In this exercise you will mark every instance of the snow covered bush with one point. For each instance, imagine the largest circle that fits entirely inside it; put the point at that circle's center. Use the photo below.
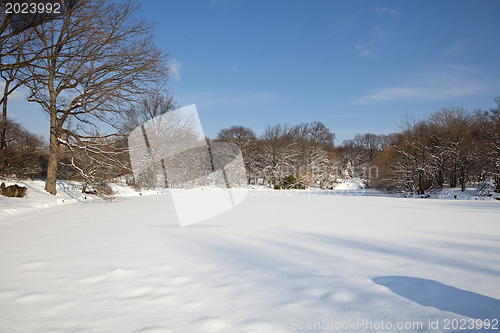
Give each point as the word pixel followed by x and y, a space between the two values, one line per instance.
pixel 487 187
pixel 290 183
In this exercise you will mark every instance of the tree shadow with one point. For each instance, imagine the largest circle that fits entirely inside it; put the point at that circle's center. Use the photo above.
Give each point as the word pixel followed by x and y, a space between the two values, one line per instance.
pixel 443 297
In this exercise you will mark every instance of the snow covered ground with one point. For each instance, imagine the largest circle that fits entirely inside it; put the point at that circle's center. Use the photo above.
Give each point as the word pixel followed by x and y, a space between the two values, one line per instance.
pixel 36 198
pixel 281 261
pixel 68 192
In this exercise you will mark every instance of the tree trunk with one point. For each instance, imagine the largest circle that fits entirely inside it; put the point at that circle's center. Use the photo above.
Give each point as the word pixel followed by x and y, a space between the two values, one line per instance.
pixel 453 179
pixel 440 177
pixel 420 190
pixel 164 172
pixel 463 180
pixel 3 131
pixel 50 182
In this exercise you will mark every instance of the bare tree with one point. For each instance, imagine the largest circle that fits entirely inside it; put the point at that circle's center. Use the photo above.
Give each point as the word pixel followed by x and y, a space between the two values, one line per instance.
pixel 246 140
pixel 151 105
pixel 97 57
pixel 280 152
pixel 295 156
pixel 489 124
pixel 239 135
pixel 314 141
pixel 149 109
pixel 452 147
pixel 452 144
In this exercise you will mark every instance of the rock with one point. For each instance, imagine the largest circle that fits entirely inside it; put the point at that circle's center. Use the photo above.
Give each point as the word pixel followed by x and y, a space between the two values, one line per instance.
pixel 13 190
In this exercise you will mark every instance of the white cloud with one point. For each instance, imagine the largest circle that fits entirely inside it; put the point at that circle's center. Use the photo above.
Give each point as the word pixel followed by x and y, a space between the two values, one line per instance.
pixel 365 49
pixel 387 19
pixel 386 10
pixel 434 84
pixel 457 47
pixel 175 67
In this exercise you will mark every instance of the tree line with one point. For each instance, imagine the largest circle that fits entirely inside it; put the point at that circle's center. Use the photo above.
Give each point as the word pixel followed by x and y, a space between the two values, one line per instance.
pixel 86 66
pixel 451 148
pixel 286 156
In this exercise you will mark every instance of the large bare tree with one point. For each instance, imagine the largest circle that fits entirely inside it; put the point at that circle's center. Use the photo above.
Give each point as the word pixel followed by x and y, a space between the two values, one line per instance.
pixel 97 59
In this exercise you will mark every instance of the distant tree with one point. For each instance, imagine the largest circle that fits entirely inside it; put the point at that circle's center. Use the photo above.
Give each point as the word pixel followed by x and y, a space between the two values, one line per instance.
pixel 314 141
pixel 415 163
pixel 328 177
pixel 279 153
pixel 490 133
pixel 452 147
pixel 371 144
pixel 455 144
pixel 390 175
pixel 236 134
pixel 246 140
pixel 302 152
pixel 359 154
pixel 151 105
pixel 26 152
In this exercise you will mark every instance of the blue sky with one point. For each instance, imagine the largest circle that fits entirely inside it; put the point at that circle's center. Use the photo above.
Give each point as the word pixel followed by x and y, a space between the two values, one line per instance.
pixel 356 66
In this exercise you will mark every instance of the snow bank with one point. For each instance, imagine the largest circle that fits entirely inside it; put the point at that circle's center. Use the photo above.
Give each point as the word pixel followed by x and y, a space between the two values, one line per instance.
pixel 456 194
pixel 68 192
pixel 351 184
pixel 468 194
pixel 37 198
pixel 123 191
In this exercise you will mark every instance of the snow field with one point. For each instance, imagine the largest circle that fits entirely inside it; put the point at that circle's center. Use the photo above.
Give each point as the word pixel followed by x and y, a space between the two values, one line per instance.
pixel 277 261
